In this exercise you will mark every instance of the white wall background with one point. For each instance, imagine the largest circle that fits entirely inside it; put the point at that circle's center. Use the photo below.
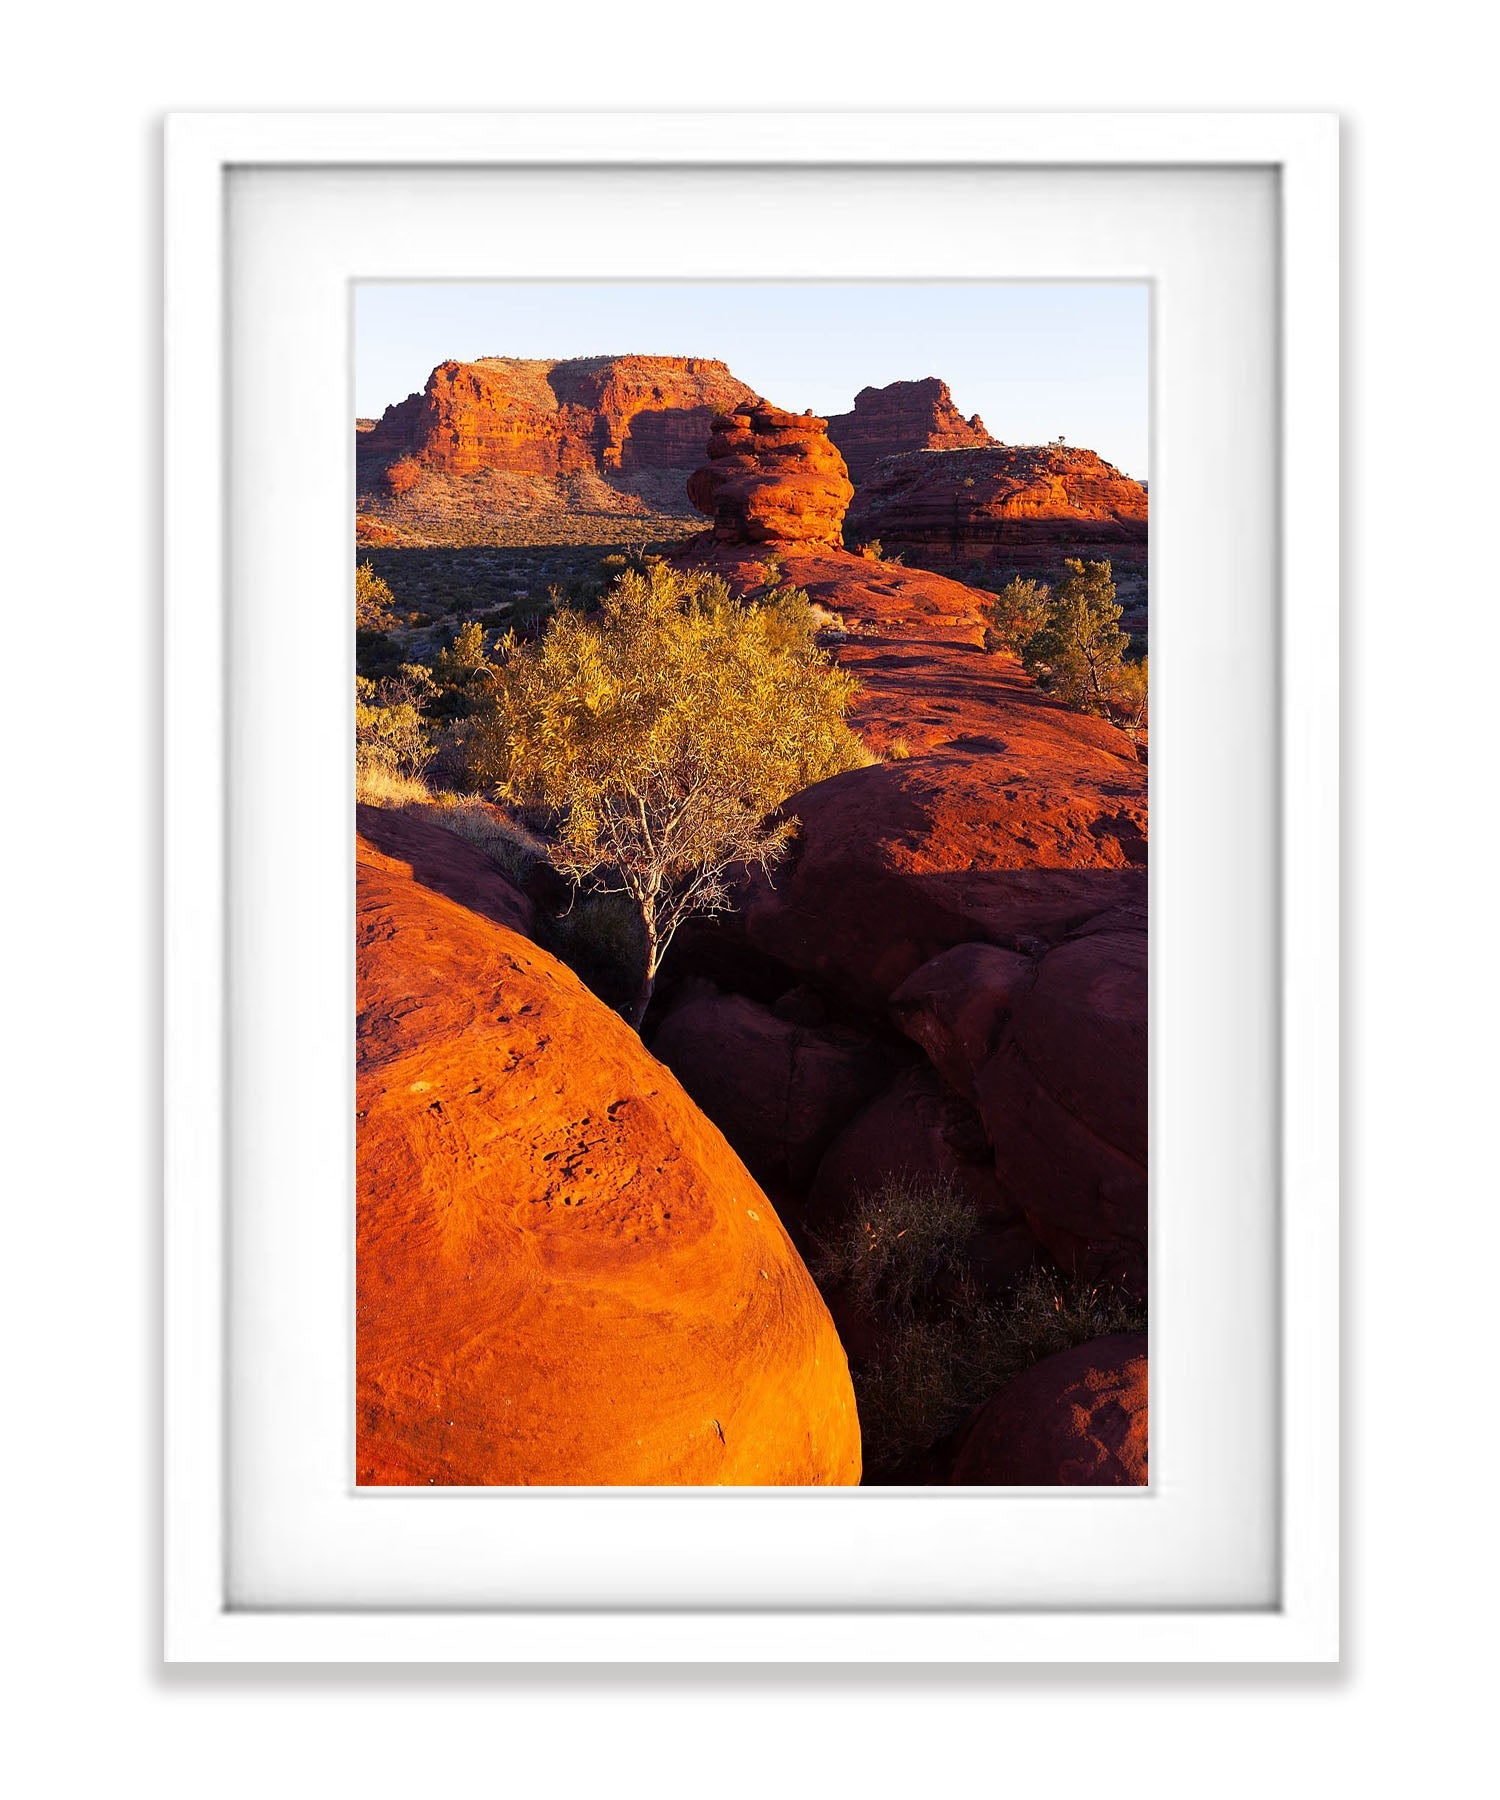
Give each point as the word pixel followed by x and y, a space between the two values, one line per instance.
pixel 90 1708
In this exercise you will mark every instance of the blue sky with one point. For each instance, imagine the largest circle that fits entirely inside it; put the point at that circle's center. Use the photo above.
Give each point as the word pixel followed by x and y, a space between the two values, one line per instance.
pixel 1033 359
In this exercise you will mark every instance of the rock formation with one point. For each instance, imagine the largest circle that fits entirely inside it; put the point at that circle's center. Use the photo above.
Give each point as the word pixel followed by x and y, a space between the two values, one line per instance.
pixel 1078 1419
pixel 1013 509
pixel 565 1276
pixel 780 1091
pixel 772 477
pixel 598 413
pixel 976 901
pixel 905 415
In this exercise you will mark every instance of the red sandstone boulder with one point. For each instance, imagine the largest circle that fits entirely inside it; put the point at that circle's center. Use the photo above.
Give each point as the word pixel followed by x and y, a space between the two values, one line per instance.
pixel 565 1276
pixel 956 1006
pixel 780 1091
pixel 772 476
pixel 1063 1102
pixel 447 864
pixel 896 863
pixel 1077 1419
pixel 902 416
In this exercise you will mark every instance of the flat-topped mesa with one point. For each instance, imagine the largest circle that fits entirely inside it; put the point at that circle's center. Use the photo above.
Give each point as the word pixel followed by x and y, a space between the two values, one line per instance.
pixel 772 477
pixel 535 417
pixel 902 416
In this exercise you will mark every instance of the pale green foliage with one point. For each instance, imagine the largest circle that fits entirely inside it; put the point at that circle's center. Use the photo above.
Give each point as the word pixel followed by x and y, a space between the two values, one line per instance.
pixel 1130 695
pixel 463 657
pixel 661 733
pixel 374 603
pixel 1071 640
pixel 390 734
pixel 1018 612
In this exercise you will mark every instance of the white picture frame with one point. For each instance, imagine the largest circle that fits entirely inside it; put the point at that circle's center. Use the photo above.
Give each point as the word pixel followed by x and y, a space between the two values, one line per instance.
pixel 203 1620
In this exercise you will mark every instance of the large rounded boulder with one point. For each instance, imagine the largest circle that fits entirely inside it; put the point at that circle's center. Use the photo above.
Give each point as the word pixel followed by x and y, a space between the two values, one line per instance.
pixel 565 1274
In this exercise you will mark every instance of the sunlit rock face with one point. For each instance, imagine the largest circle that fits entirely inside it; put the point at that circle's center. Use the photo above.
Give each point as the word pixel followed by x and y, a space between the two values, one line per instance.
pixel 772 477
pixel 905 415
pixel 565 1274
pixel 530 417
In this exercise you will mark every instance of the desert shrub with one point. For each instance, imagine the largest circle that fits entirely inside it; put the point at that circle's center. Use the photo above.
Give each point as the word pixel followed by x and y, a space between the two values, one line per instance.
pixel 824 621
pixel 902 1258
pixel 390 734
pixel 374 603
pixel 901 1244
pixel 1047 1314
pixel 1018 612
pixel 462 676
pixel 402 476
pixel 873 550
pixel 532 611
pixel 661 734
pixel 898 750
pixel 1130 695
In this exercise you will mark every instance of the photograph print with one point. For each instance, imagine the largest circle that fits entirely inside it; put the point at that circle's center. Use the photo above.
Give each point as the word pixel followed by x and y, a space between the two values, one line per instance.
pixel 750 763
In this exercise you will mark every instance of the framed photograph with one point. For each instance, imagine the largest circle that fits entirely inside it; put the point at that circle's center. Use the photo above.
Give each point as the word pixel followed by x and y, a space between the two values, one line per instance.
pixel 690 1113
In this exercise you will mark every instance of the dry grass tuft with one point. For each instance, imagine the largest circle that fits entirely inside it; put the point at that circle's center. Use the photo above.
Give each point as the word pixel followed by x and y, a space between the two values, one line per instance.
pixel 376 783
pixel 901 1258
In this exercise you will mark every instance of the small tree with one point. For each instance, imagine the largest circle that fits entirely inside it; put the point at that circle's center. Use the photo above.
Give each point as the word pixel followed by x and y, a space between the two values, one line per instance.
pixel 662 733
pixel 1072 643
pixel 1018 612
pixel 1078 654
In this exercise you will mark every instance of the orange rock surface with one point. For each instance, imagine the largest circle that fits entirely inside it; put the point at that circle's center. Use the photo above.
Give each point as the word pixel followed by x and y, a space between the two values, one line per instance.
pixel 550 418
pixel 772 477
pixel 902 416
pixel 565 1275
pixel 1012 509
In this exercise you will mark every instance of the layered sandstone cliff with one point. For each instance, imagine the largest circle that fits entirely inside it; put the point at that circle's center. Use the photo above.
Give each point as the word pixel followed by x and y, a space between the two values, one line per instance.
pixel 903 416
pixel 602 413
pixel 1025 506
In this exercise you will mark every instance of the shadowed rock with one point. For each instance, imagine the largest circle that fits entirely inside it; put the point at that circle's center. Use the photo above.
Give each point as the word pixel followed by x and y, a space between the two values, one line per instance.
pixel 1077 1419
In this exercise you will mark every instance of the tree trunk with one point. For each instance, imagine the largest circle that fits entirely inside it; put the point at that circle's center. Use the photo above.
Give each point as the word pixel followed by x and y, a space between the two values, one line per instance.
pixel 637 1012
